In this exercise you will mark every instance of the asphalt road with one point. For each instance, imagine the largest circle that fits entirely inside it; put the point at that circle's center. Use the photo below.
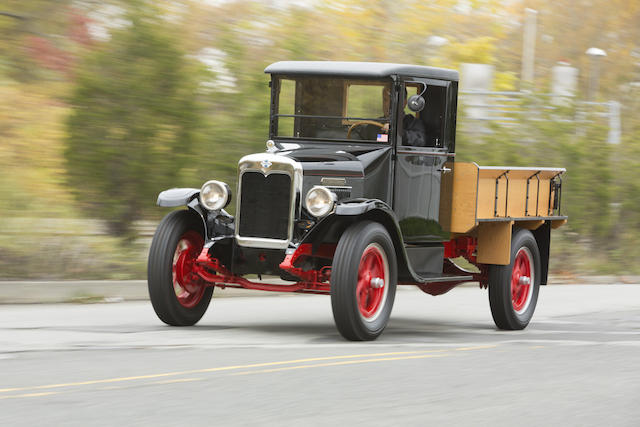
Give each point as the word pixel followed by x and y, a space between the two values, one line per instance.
pixel 280 361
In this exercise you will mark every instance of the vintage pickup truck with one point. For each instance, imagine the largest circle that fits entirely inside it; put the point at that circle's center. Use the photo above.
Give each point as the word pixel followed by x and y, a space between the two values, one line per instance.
pixel 358 191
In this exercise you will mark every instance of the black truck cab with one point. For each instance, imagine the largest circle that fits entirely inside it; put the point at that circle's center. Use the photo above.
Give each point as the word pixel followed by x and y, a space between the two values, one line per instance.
pixel 329 114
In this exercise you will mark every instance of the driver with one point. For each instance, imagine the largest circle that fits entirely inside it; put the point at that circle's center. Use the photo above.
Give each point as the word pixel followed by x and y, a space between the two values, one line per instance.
pixel 413 130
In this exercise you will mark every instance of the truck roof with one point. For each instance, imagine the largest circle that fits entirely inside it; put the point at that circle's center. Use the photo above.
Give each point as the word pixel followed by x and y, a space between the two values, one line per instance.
pixel 359 69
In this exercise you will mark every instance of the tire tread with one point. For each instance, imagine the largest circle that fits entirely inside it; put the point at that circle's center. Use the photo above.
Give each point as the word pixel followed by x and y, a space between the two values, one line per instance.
pixel 161 294
pixel 343 300
pixel 500 303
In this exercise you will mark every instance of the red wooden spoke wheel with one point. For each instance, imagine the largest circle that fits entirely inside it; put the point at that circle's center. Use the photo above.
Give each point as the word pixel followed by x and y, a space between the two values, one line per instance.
pixel 188 287
pixel 179 297
pixel 513 288
pixel 363 281
pixel 522 280
pixel 372 287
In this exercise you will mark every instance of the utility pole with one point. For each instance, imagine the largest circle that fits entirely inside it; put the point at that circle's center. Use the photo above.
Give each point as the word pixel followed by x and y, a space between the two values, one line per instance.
pixel 529 46
pixel 595 55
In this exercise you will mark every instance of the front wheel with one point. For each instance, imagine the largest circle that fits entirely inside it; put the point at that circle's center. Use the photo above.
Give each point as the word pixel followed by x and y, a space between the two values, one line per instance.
pixel 513 288
pixel 179 297
pixel 363 281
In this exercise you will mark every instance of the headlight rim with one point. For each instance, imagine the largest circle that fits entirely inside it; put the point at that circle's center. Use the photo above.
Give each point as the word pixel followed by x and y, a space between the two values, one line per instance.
pixel 330 207
pixel 226 191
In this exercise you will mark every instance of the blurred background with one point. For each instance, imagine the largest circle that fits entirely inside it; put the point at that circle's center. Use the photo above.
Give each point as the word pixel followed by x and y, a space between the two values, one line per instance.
pixel 103 104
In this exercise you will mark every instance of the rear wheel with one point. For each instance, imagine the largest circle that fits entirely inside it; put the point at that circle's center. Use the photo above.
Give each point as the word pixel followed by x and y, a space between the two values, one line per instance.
pixel 179 297
pixel 363 281
pixel 513 288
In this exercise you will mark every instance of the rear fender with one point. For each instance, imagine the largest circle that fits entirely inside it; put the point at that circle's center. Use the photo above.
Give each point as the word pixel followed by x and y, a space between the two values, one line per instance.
pixel 542 235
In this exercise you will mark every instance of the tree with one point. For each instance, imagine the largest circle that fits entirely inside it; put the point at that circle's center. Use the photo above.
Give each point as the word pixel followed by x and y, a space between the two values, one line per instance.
pixel 134 120
pixel 41 39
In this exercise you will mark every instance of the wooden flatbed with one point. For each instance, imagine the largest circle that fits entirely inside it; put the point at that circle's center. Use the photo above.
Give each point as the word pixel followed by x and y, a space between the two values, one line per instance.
pixel 488 200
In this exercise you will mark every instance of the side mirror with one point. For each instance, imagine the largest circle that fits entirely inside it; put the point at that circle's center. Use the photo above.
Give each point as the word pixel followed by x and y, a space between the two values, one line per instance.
pixel 416 103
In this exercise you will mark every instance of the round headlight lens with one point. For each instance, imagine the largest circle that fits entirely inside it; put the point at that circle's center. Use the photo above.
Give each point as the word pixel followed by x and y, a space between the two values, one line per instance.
pixel 319 201
pixel 215 195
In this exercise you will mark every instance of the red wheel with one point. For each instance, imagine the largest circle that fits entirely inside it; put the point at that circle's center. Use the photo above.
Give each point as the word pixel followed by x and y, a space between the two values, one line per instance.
pixel 513 288
pixel 363 281
pixel 521 280
pixel 373 278
pixel 189 288
pixel 177 294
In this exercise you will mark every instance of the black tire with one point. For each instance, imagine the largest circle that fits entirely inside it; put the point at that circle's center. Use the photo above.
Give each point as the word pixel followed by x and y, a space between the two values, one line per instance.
pixel 364 318
pixel 514 311
pixel 172 230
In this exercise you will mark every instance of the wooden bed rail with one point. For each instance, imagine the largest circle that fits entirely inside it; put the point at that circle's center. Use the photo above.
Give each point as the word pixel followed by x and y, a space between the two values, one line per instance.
pixel 499 193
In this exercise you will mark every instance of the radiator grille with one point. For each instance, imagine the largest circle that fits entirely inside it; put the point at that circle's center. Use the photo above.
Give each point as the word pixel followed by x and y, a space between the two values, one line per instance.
pixel 342 192
pixel 265 204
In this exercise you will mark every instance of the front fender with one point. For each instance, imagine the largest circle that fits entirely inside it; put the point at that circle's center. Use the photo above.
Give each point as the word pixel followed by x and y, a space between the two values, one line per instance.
pixel 361 206
pixel 330 228
pixel 176 197
pixel 218 223
pixel 188 197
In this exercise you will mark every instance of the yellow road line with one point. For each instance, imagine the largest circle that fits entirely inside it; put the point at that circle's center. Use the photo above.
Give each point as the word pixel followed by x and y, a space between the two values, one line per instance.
pixel 17 396
pixel 477 347
pixel 346 362
pixel 421 354
pixel 197 371
pixel 178 380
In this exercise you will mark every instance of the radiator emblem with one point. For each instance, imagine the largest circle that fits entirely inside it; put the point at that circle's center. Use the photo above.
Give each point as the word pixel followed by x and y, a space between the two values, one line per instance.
pixel 266 163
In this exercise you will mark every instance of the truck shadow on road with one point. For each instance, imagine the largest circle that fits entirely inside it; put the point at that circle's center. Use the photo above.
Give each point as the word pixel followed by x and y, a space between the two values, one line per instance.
pixel 399 328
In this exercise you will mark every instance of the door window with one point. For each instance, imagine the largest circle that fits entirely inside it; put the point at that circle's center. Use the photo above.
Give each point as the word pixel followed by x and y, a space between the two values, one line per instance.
pixel 424 128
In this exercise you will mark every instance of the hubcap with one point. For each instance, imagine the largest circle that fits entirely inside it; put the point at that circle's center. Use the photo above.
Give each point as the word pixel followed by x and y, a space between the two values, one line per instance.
pixel 522 280
pixel 186 284
pixel 373 279
pixel 377 282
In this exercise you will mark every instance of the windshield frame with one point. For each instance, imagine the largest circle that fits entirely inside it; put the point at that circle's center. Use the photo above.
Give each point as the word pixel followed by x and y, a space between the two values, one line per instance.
pixel 274 107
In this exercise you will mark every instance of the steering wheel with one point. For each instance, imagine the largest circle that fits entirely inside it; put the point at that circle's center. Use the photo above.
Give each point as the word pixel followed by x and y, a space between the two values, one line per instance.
pixel 363 122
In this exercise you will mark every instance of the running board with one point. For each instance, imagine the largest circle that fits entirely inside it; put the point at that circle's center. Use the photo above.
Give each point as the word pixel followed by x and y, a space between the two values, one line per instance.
pixel 431 278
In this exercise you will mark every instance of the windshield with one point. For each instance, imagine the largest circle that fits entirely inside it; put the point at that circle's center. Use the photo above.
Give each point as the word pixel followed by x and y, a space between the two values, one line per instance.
pixel 332 108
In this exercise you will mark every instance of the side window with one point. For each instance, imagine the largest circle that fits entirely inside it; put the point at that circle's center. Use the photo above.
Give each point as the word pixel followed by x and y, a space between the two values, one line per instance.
pixel 433 115
pixel 425 128
pixel 413 130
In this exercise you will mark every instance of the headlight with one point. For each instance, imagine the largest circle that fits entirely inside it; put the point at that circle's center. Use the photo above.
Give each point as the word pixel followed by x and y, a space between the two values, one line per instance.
pixel 319 201
pixel 215 195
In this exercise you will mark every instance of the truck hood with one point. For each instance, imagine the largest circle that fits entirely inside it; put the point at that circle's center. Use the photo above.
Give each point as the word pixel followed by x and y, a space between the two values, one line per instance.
pixel 336 159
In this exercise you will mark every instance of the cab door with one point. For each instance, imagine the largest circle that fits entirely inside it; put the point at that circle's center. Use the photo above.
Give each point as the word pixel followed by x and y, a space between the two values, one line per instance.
pixel 419 167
